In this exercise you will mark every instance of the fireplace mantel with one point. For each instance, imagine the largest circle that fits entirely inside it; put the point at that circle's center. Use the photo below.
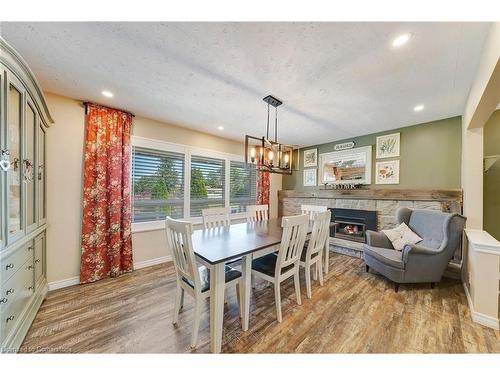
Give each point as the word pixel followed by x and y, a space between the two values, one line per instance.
pixel 441 195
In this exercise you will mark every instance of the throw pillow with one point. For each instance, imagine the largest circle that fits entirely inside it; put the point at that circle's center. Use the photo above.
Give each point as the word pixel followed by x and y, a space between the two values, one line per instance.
pixel 401 236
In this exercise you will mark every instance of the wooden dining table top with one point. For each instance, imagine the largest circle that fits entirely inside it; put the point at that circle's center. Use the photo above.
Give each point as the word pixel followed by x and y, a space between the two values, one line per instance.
pixel 216 245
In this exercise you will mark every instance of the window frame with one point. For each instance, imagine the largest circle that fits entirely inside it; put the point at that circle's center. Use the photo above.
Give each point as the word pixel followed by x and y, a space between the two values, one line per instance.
pixel 188 151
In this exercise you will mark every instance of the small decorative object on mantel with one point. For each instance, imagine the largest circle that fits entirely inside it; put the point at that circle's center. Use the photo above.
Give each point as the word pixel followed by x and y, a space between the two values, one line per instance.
pixel 311 158
pixel 387 172
pixel 344 146
pixel 388 146
pixel 342 186
pixel 310 177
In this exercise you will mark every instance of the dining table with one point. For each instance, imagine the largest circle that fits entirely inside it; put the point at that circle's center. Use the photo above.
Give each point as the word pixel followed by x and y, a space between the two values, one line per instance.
pixel 215 247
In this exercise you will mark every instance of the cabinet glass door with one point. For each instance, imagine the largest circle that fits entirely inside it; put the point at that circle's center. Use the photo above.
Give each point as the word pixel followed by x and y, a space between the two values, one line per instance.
pixel 42 207
pixel 14 174
pixel 29 165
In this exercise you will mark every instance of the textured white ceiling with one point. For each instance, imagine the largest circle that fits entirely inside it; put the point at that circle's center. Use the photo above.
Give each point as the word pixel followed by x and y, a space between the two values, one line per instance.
pixel 337 80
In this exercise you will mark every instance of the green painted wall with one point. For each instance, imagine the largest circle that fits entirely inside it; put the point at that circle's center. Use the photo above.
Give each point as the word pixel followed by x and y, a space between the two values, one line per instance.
pixel 430 156
pixel 492 177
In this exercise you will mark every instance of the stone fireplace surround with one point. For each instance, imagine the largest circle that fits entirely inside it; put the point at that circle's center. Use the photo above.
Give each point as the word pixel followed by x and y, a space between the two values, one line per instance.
pixel 384 201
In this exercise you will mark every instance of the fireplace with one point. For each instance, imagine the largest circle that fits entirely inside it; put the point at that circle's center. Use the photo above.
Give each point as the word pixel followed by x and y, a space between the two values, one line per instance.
pixel 352 224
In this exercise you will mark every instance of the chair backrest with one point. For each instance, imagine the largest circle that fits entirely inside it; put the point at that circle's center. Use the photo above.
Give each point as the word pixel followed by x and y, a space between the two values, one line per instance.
pixel 180 243
pixel 311 210
pixel 216 217
pixel 320 232
pixel 292 240
pixel 259 212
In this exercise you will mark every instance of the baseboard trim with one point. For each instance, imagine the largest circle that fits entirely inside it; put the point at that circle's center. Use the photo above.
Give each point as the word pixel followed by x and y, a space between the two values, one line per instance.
pixel 478 317
pixel 152 262
pixel 54 285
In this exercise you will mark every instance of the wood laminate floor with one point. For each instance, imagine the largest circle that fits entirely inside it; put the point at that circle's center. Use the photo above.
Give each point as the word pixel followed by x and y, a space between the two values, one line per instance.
pixel 354 312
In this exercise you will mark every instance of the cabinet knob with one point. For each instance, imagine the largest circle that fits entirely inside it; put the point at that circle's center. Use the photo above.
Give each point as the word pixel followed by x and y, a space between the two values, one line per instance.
pixel 4 300
pixel 10 318
pixel 10 291
pixel 10 265
pixel 31 287
pixel 37 260
pixel 30 267
pixel 30 248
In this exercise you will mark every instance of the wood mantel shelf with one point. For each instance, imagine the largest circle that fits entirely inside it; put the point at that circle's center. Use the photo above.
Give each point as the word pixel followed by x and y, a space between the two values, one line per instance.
pixel 442 195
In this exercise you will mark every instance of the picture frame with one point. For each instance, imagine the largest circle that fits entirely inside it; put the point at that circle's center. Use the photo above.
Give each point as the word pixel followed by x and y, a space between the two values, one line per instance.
pixel 311 158
pixel 353 166
pixel 310 177
pixel 388 146
pixel 387 172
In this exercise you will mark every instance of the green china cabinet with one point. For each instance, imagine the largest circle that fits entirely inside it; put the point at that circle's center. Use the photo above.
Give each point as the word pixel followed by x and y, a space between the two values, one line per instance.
pixel 24 120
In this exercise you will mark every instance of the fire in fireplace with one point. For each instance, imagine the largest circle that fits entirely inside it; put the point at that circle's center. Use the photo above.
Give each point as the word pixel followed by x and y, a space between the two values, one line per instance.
pixel 352 224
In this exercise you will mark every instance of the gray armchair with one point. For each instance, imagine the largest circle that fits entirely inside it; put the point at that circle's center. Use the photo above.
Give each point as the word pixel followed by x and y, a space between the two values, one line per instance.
pixel 422 263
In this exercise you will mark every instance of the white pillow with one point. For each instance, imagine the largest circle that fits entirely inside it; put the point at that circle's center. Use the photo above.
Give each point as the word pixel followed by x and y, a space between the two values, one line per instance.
pixel 401 236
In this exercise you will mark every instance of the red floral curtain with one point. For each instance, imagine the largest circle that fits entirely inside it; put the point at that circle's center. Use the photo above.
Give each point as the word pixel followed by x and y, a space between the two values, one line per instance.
pixel 106 234
pixel 263 188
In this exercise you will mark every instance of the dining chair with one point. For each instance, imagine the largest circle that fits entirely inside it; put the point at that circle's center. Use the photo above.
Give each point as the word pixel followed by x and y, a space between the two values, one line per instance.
pixel 312 253
pixel 276 268
pixel 311 210
pixel 259 212
pixel 191 278
pixel 216 217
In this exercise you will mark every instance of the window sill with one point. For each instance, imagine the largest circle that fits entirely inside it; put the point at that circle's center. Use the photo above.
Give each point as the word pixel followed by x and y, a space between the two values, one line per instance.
pixel 151 226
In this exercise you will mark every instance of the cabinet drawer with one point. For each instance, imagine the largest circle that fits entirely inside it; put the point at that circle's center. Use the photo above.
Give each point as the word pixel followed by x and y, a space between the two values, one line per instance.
pixel 39 261
pixel 15 295
pixel 12 263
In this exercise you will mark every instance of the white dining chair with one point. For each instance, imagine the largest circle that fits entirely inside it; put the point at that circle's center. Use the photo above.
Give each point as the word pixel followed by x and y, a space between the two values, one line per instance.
pixel 311 210
pixel 216 217
pixel 191 278
pixel 258 212
pixel 276 268
pixel 312 253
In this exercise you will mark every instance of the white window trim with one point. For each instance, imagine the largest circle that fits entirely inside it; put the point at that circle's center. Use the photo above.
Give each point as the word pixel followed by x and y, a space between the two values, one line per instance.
pixel 188 151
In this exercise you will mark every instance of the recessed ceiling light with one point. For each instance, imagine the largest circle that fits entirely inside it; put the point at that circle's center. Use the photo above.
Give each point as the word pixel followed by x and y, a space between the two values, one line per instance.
pixel 418 108
pixel 401 40
pixel 220 127
pixel 107 94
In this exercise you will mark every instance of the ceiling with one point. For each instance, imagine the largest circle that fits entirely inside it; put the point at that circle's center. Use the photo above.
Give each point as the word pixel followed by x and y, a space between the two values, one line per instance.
pixel 337 80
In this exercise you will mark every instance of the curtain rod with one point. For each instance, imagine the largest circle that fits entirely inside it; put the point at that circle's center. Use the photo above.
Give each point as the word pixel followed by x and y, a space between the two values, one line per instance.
pixel 85 103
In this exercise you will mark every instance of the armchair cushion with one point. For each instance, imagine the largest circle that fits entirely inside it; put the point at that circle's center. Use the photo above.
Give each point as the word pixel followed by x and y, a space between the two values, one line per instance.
pixel 390 257
pixel 401 236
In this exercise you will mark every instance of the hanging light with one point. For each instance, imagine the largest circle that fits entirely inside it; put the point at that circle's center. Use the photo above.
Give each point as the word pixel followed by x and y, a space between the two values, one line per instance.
pixel 265 154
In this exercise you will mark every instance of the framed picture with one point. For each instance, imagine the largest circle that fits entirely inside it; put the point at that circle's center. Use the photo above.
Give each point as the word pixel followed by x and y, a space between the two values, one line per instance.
pixel 311 158
pixel 387 172
pixel 352 166
pixel 309 177
pixel 388 146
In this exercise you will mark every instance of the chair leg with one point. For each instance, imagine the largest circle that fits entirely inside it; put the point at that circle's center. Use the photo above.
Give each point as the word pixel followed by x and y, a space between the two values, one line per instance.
pixel 367 267
pixel 396 287
pixel 182 299
pixel 433 285
pixel 308 280
pixel 315 272
pixel 297 286
pixel 177 304
pixel 196 322
pixel 319 265
pixel 277 300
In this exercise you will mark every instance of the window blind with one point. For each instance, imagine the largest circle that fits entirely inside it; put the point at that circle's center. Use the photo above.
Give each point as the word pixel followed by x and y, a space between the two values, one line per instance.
pixel 243 186
pixel 207 184
pixel 157 184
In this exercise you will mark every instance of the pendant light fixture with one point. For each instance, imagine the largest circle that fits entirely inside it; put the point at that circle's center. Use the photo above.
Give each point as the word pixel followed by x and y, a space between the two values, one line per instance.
pixel 265 154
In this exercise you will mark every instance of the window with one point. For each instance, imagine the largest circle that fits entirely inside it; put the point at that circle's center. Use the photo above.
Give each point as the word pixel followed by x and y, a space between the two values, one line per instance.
pixel 179 181
pixel 243 186
pixel 207 184
pixel 157 184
